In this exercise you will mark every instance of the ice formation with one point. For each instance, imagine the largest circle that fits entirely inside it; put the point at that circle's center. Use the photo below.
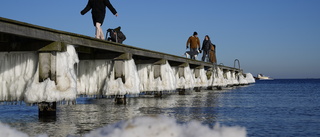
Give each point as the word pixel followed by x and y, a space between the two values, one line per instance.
pixel 219 79
pixel 250 78
pixel 66 86
pixel 130 86
pixel 92 75
pixel 16 69
pixel 184 82
pixel 166 81
pixel 19 78
pixel 146 75
pixel 202 80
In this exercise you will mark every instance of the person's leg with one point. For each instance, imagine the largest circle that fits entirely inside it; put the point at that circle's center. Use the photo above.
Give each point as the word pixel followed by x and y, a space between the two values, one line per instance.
pixel 207 56
pixel 191 53
pixel 99 32
pixel 204 54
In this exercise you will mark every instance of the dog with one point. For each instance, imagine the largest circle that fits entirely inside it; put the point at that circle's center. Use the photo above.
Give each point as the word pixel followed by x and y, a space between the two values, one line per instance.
pixel 191 54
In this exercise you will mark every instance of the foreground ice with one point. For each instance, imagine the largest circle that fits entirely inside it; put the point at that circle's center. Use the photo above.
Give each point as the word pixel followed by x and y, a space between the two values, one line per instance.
pixel 7 131
pixel 160 126
pixel 150 126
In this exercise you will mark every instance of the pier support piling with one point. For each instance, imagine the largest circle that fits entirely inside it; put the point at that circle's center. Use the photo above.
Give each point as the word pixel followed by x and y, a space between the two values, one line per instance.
pixel 209 88
pixel 47 111
pixel 119 70
pixel 47 69
pixel 47 66
pixel 182 91
pixel 158 94
pixel 120 99
pixel 197 71
pixel 197 89
pixel 119 66
pixel 48 60
pixel 181 69
pixel 157 68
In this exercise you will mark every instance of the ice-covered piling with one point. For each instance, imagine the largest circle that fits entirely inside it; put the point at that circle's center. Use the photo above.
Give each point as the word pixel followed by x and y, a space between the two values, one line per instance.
pixel 156 77
pixel 116 86
pixel 65 87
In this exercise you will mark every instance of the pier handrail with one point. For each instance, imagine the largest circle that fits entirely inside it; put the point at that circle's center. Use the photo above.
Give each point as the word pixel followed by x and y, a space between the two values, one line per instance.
pixel 234 64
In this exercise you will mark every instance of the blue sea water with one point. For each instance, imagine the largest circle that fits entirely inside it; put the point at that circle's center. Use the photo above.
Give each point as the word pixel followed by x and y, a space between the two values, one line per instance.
pixel 281 107
pixel 284 107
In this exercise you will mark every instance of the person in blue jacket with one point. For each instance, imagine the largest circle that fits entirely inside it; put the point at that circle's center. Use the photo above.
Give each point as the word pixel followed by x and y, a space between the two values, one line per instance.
pixel 98 11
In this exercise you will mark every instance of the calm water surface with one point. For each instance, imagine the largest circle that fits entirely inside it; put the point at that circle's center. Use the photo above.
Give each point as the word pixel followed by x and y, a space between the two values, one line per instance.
pixel 266 108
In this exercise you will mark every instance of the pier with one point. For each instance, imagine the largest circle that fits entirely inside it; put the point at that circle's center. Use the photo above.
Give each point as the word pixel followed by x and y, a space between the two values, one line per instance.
pixel 43 65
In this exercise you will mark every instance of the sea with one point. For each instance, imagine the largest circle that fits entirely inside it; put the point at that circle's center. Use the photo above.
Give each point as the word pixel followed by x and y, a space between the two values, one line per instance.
pixel 279 107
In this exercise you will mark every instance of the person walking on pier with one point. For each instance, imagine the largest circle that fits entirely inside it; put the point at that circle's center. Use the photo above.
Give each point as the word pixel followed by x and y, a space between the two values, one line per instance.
pixel 98 11
pixel 206 48
pixel 194 43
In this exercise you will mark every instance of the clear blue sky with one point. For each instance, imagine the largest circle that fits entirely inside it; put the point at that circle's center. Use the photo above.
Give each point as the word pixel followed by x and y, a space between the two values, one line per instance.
pixel 278 38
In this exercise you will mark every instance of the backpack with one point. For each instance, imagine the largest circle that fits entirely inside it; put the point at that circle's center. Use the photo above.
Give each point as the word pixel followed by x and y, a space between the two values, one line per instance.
pixel 116 35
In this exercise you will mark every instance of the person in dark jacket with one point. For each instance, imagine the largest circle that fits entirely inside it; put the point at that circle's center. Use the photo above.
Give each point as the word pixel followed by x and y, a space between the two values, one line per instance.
pixel 206 47
pixel 98 11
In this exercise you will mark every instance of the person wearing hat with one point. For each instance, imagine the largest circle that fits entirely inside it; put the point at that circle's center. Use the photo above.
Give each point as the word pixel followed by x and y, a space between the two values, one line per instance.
pixel 98 11
pixel 194 43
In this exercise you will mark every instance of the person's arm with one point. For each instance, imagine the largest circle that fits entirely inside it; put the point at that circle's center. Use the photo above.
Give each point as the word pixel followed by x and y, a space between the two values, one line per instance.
pixel 188 42
pixel 110 7
pixel 198 43
pixel 203 44
pixel 86 9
